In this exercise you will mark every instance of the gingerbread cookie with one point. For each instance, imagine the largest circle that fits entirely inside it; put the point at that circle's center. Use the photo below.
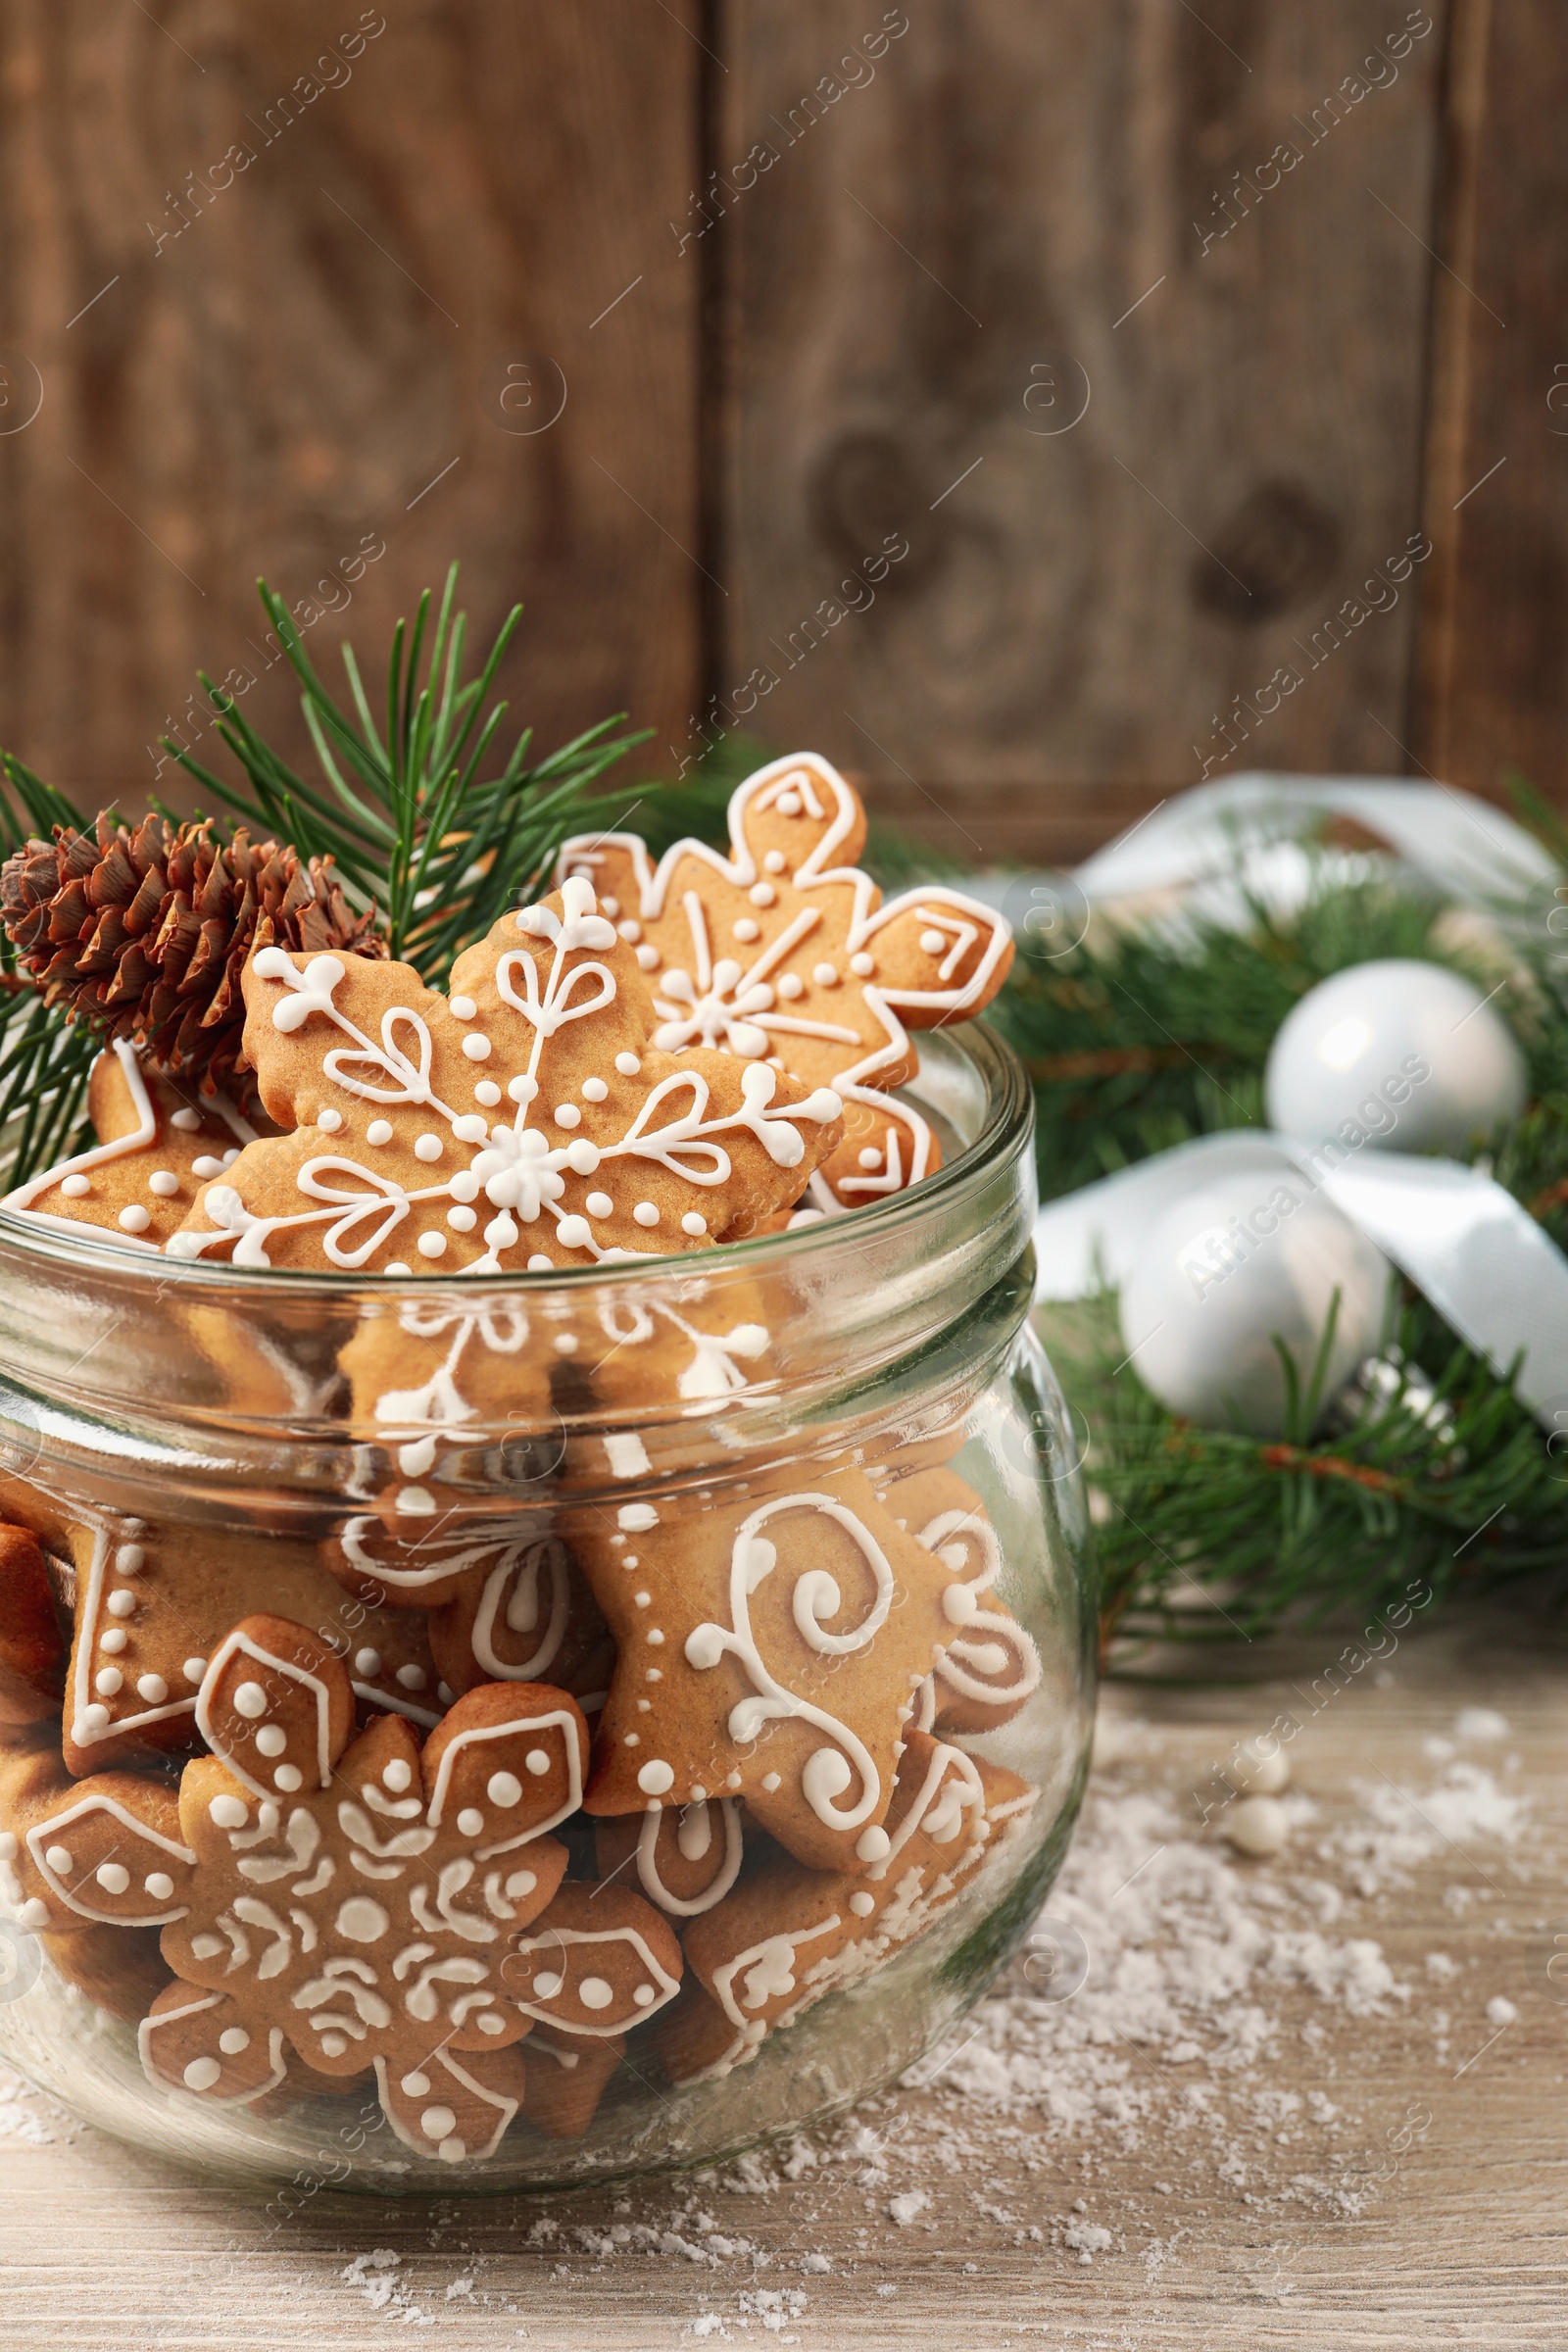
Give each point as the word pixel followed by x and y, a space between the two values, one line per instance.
pixel 118 1970
pixel 612 1149
pixel 32 1646
pixel 159 1142
pixel 105 1851
pixel 770 1646
pixel 528 1617
pixel 599 1960
pixel 354 1899
pixel 783 952
pixel 685 1858
pixel 991 1669
pixel 567 2075
pixel 786 1936
pixel 152 1602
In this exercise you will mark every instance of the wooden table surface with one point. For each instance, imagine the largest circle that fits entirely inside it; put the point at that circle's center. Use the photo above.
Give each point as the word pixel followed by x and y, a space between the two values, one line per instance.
pixel 1434 2211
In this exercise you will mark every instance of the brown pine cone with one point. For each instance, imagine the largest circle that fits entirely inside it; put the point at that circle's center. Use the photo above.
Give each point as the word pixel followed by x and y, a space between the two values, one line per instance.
pixel 145 934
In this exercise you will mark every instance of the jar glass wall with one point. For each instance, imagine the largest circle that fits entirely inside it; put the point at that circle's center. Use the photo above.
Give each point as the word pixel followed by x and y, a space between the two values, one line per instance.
pixel 794 1529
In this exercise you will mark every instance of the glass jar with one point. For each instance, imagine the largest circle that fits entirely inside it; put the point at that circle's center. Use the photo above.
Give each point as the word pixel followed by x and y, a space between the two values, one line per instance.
pixel 413 1473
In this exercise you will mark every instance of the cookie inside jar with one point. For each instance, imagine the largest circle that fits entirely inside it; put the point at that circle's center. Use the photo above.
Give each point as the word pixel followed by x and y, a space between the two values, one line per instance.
pixel 546 1641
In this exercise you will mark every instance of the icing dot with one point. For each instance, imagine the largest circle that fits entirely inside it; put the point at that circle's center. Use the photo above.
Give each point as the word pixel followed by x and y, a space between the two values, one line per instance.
pixel 746 928
pixel 632 1739
pixel 693 1224
pixel 643 1996
pixel 164 1182
pixel 59 1858
pixel 201 2074
pixel 397 1774
pixel 863 1905
pixel 572 1232
pixel 437 2123
pixel 153 1688
pixel 112 1638
pixel 478 1047
pixel 395 1265
pixel 567 1343
pixel 412 1678
pixel 159 1885
pixel 826 975
pixel 464 1186
pixel 471 1128
pixel 959 1605
pixel 655 1637
pixel 488 1093
pixel 415 2087
pixel 863 964
pixel 600 1205
pixel 566 1114
pixel 207 1947
pixel 461 1219
pixel 791 985
pixel 207 1166
pixel 654 1674
pixel 641 1598
pixel 133 1219
pixel 505 1787
pixel 932 942
pixel 761 894
pixel 329 1120
pixel 594 1090
pixel 232 2040
pixel 873 1845
pixel 522 1089
pixel 771 1782
pixel 231 1155
pixel 333 2046
pixel 380 1131
pixel 33 1914
pixel 193 1669
pixel 250 1699
pixel 108 1681
pixel 461 1008
pixel 775 861
pixel 113 1877
pixel 628 1064
pixel 789 804
pixel 537 1761
pixel 129 1559
pixel 432 1245
pixel 489 2022
pixel 656 1776
pixel 121 1605
pixel 428 1146
pixel 547 1987
pixel 538 1263
pixel 522 1881
pixel 271 1740
pixel 646 1213
pixel 188 1121
pixel 470 1821
pixel 229 1813
pixel 366 1663
pixel 595 1993
pixel 287 1777
pixel 74 1186
pixel 647 957
pixel 636 1517
pixel 361 1920
pixel 630 931
pixel 583 1156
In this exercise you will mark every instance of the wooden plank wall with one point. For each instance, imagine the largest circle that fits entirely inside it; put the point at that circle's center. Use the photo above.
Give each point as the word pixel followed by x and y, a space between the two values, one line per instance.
pixel 1031 408
pixel 318 360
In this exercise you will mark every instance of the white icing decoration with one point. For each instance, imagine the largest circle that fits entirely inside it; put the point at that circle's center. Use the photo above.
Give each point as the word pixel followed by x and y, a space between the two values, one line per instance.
pixel 45 1838
pixel 239 1644
pixel 559 1943
pixel 725 1876
pixel 830 1771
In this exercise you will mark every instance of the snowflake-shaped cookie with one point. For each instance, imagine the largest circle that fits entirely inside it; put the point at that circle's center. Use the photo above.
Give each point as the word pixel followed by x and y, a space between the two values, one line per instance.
pixel 356 1899
pixel 606 1148
pixel 782 952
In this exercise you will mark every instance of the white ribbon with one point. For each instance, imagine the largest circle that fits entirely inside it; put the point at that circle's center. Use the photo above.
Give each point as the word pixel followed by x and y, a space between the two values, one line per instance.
pixel 1484 1262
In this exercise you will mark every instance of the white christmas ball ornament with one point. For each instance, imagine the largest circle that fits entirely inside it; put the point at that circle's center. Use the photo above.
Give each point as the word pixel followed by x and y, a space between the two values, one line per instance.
pixel 1408 1056
pixel 1225 1269
pixel 1257 1826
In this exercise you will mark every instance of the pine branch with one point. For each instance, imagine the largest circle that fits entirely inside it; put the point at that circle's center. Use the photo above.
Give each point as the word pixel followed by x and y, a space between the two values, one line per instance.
pixel 427 823
pixel 43 1060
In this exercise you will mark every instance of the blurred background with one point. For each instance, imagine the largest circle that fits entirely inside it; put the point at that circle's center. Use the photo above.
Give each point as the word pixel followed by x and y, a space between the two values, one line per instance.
pixel 1033 407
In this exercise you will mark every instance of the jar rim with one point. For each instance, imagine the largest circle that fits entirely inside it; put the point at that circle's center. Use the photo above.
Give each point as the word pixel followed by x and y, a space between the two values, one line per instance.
pixel 1002 1133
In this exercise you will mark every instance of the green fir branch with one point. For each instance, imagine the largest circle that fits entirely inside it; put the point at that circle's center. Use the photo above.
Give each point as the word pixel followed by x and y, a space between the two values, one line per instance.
pixel 43 1060
pixel 428 819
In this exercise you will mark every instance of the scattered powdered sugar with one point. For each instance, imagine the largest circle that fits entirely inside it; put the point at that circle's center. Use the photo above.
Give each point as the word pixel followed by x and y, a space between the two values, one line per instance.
pixel 1398 1830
